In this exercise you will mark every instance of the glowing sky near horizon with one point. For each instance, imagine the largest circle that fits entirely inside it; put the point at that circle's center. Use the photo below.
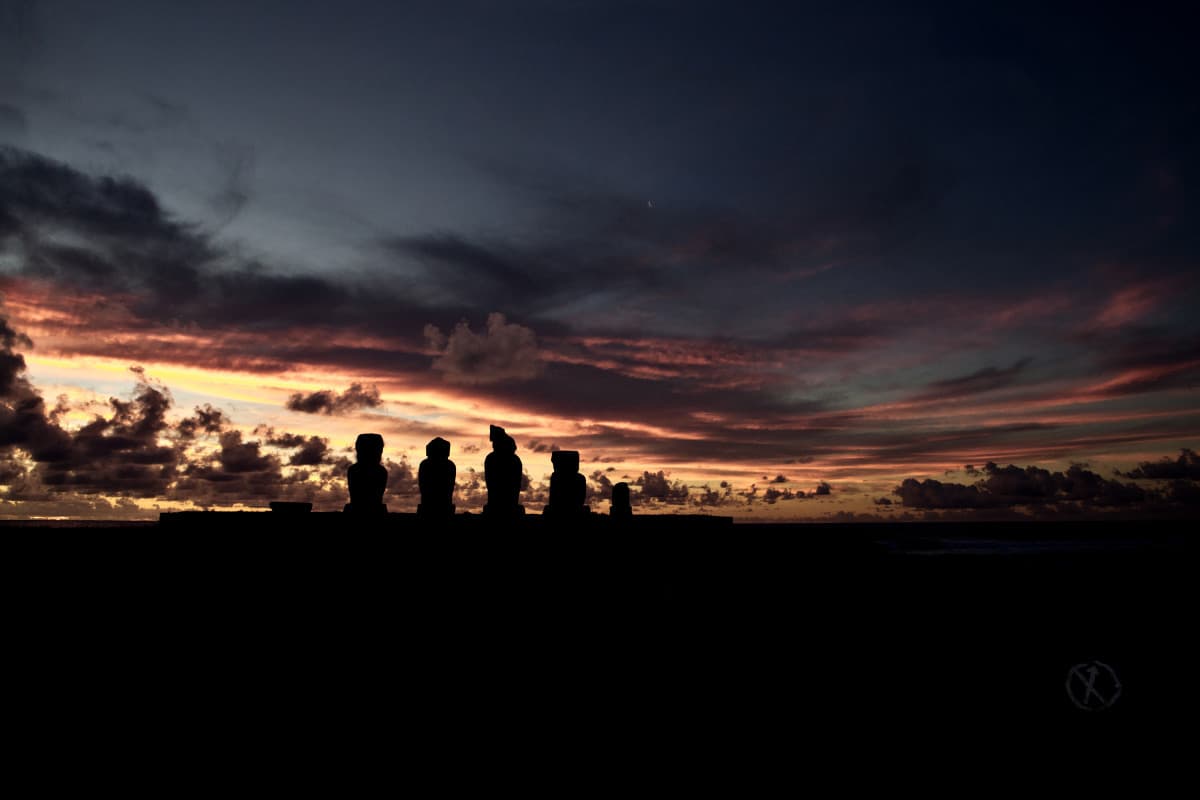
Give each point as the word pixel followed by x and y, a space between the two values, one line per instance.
pixel 731 249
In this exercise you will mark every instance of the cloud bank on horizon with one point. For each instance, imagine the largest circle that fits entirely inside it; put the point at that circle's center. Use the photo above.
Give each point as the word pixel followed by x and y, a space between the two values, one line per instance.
pixel 856 279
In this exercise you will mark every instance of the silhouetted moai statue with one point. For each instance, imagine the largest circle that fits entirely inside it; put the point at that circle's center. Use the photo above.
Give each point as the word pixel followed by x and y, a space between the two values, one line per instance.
pixel 367 476
pixel 621 507
pixel 502 473
pixel 568 489
pixel 435 477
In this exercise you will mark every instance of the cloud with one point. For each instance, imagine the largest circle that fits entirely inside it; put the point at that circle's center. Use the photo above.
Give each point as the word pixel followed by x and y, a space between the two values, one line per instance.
pixel 933 493
pixel 329 402
pixel 239 473
pixel 12 364
pixel 24 420
pixel 656 486
pixel 134 450
pixel 1185 467
pixel 503 352
pixel 110 235
pixel 710 497
pixel 126 276
pixel 1003 487
pixel 121 453
pixel 599 486
pixel 205 420
pixel 987 379
pixel 1185 493
pixel 592 238
pixel 310 450
pixel 1131 303
pixel 773 495
pixel 315 450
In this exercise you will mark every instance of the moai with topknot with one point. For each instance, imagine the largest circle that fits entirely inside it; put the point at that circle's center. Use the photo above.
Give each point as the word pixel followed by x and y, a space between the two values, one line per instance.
pixel 502 472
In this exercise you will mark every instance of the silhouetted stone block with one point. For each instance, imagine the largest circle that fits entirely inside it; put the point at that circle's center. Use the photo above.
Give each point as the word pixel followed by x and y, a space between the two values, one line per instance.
pixel 435 477
pixel 502 472
pixel 621 506
pixel 568 489
pixel 367 477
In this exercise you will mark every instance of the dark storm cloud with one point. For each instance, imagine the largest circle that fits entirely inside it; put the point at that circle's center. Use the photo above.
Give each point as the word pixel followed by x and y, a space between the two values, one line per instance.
pixel 1185 467
pixel 591 238
pixel 931 493
pixel 1184 493
pixel 111 235
pixel 1024 486
pixel 984 380
pixel 330 402
pixel 584 391
pixel 505 274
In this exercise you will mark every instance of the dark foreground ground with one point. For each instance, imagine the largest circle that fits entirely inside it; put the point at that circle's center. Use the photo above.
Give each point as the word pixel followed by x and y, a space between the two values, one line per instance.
pixel 254 629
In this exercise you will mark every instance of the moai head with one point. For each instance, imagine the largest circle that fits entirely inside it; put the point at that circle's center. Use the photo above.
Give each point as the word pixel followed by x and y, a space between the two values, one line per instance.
pixel 438 449
pixel 369 448
pixel 501 441
pixel 620 496
pixel 565 461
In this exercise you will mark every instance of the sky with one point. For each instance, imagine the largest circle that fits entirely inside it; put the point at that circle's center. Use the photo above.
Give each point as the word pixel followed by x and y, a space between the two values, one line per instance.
pixel 828 261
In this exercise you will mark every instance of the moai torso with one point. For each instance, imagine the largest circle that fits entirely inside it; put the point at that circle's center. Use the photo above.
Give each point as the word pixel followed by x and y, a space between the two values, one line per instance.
pixel 435 477
pixel 621 506
pixel 367 477
pixel 502 472
pixel 568 489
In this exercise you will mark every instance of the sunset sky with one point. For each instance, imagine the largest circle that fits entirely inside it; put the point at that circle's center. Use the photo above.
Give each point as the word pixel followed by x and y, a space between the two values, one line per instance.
pixel 833 261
